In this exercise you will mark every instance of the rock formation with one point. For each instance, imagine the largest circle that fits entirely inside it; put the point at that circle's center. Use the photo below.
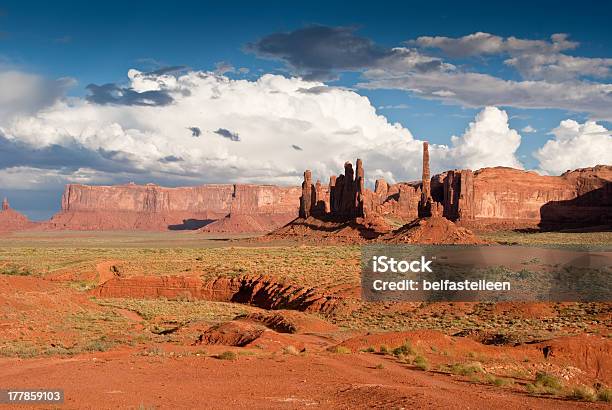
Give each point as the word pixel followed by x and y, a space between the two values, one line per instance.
pixel 426 200
pixel 343 199
pixel 308 196
pixel 487 198
pixel 153 208
pixel 11 220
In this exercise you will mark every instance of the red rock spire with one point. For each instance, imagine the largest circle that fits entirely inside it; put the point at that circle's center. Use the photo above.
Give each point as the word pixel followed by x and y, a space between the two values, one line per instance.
pixel 425 202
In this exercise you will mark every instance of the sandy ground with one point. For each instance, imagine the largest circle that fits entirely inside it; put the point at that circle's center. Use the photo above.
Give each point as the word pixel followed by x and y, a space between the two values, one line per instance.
pixel 123 380
pixel 130 353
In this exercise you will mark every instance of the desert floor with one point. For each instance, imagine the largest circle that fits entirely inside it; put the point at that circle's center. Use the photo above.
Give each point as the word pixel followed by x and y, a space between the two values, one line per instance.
pixel 116 349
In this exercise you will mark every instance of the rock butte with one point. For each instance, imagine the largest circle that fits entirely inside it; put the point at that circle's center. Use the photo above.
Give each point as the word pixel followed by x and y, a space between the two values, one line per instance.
pixel 152 207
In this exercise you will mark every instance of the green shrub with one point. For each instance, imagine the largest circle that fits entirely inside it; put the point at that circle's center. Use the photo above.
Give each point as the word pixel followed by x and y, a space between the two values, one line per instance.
pixel 421 363
pixel 548 380
pixel 497 381
pixel 466 369
pixel 341 350
pixel 227 355
pixel 545 383
pixel 13 270
pixel 584 393
pixel 404 349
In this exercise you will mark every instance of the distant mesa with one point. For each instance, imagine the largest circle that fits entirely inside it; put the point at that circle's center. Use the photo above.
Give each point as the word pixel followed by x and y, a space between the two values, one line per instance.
pixel 214 208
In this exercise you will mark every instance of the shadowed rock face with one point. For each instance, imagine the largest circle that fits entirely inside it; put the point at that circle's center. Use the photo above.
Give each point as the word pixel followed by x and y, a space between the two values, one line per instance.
pixel 580 196
pixel 151 207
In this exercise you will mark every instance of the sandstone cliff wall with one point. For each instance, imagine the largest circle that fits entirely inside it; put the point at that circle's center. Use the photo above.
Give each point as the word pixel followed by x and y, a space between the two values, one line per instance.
pixel 147 198
pixel 511 195
pixel 152 207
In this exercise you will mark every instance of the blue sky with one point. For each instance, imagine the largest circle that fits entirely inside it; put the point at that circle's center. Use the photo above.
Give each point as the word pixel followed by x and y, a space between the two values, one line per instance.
pixel 98 43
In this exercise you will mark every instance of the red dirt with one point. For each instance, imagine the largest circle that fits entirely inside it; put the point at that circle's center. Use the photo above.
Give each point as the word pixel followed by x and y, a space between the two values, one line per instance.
pixel 433 230
pixel 265 374
pixel 234 333
pixel 358 230
pixel 286 381
pixel 590 354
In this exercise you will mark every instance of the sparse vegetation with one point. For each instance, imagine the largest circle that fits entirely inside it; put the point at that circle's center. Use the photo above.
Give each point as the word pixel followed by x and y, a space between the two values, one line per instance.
pixel 497 381
pixel 466 369
pixel 341 350
pixel 13 270
pixel 604 394
pixel 421 363
pixel 584 393
pixel 545 383
pixel 403 350
pixel 227 355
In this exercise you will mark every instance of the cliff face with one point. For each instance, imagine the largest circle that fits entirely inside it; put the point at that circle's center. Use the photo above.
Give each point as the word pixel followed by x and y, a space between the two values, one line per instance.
pixel 148 198
pixel 152 207
pixel 258 208
pixel 265 199
pixel 505 194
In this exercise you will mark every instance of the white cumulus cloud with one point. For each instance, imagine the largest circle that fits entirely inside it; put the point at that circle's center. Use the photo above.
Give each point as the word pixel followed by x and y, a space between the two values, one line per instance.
pixel 574 146
pixel 488 141
pixel 209 128
pixel 265 119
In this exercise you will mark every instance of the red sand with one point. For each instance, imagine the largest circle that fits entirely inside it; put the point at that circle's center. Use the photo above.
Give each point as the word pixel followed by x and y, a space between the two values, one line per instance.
pixel 435 230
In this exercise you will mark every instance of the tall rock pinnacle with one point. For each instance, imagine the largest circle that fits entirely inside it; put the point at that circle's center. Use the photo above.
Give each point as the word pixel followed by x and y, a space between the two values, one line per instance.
pixel 425 202
pixel 307 195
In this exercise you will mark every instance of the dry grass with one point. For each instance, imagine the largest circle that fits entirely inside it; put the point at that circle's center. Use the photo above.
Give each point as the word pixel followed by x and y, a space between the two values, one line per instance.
pixel 550 238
